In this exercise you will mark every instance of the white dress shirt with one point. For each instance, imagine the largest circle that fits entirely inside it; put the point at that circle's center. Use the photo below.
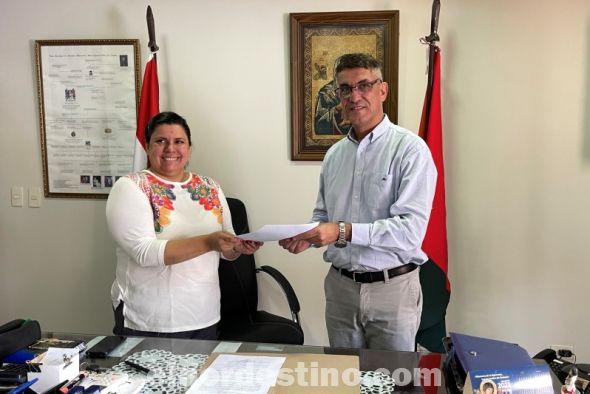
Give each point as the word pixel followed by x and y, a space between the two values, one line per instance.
pixel 384 185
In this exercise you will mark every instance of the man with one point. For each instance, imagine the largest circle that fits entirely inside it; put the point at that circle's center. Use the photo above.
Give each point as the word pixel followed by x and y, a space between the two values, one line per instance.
pixel 374 201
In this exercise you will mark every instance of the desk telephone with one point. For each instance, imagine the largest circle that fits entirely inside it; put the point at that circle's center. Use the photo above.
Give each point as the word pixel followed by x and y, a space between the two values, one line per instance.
pixel 561 369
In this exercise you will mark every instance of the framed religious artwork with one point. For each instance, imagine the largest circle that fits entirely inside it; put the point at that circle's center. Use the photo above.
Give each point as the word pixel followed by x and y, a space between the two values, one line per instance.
pixel 88 97
pixel 317 40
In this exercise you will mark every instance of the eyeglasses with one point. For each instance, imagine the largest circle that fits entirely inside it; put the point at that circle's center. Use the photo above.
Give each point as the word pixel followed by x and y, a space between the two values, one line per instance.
pixel 345 91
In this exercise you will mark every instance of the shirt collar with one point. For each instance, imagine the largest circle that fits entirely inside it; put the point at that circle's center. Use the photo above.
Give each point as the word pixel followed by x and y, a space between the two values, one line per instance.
pixel 377 132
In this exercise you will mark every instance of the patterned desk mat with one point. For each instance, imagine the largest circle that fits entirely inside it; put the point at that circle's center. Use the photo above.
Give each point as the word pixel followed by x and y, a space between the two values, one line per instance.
pixel 174 373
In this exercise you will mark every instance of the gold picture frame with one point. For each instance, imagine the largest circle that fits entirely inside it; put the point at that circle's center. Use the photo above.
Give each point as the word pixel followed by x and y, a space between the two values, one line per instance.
pixel 88 94
pixel 317 40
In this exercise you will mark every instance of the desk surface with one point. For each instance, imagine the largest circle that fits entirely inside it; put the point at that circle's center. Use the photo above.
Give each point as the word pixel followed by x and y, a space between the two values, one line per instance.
pixel 402 366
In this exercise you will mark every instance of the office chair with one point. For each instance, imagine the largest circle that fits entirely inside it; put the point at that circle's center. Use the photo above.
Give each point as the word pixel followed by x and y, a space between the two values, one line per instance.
pixel 240 319
pixel 435 298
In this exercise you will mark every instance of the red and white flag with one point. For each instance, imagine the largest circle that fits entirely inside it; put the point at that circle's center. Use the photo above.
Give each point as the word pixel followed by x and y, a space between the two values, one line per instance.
pixel 435 241
pixel 149 105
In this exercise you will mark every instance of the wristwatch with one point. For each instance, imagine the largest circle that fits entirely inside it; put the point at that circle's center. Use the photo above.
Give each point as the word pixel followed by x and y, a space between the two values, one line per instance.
pixel 341 242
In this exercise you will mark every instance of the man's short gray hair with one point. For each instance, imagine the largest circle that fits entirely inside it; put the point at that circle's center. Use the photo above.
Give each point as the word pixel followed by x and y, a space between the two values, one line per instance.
pixel 358 60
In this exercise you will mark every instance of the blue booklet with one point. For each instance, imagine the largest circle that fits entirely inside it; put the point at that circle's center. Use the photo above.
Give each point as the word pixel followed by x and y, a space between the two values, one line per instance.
pixel 498 367
pixel 482 353
pixel 534 379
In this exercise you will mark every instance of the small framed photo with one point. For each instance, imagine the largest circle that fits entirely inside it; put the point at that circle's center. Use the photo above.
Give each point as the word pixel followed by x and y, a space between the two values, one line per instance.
pixel 317 40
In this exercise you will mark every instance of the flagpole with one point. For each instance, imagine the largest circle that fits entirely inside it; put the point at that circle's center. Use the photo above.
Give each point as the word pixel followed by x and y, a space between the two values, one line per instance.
pixel 151 31
pixel 149 100
pixel 431 41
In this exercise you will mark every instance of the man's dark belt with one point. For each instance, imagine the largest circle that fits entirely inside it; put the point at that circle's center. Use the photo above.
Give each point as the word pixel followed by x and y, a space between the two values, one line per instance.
pixel 377 276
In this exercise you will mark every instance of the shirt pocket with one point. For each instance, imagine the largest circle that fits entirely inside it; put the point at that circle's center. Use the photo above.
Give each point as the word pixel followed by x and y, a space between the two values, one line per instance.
pixel 381 192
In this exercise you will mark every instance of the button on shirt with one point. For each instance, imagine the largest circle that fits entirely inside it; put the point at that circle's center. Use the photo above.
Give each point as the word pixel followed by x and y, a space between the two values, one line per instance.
pixel 384 185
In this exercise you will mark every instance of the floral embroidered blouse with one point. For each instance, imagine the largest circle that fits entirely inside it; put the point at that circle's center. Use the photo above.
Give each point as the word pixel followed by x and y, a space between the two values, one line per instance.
pixel 143 213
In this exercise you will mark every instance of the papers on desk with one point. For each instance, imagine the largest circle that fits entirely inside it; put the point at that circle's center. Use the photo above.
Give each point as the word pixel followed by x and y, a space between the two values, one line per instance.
pixel 235 374
pixel 115 382
pixel 276 232
pixel 42 344
pixel 286 373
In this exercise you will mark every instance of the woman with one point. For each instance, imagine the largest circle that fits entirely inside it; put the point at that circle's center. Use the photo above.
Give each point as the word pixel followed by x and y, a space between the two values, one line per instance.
pixel 170 226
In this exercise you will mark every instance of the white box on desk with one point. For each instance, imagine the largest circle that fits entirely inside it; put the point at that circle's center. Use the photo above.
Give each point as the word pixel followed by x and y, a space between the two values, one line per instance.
pixel 55 370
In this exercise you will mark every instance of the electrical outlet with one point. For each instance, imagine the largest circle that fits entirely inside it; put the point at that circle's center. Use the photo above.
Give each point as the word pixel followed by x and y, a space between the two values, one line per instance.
pixel 566 348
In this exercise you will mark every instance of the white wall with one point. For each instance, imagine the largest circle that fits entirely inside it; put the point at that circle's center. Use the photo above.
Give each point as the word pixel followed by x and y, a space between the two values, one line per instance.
pixel 517 151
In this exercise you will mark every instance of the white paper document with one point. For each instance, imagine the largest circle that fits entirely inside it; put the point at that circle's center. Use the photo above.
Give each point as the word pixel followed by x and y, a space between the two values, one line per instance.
pixel 235 374
pixel 276 232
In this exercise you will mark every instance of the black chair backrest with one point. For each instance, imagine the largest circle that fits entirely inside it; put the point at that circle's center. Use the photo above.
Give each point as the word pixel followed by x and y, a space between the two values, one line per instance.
pixel 237 279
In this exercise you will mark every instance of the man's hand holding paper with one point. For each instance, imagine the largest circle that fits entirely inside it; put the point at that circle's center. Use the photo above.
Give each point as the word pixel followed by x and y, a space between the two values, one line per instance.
pixel 294 246
pixel 322 235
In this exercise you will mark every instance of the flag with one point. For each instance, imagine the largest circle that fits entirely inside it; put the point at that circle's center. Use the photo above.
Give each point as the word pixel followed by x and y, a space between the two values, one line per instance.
pixel 429 366
pixel 435 241
pixel 149 105
pixel 436 287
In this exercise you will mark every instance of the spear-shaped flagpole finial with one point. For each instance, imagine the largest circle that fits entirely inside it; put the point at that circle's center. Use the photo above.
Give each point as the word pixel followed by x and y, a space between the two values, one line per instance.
pixel 151 30
pixel 434 18
pixel 433 37
pixel 431 40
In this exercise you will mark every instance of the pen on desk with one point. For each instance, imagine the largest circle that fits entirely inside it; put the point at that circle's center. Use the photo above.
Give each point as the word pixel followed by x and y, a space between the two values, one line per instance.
pixel 23 386
pixel 74 382
pixel 137 366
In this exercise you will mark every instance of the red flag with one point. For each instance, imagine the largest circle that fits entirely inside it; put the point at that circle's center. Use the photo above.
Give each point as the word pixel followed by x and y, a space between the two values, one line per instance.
pixel 430 365
pixel 149 105
pixel 435 241
pixel 436 289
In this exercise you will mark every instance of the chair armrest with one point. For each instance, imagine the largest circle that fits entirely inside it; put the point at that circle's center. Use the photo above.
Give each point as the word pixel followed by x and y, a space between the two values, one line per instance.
pixel 287 289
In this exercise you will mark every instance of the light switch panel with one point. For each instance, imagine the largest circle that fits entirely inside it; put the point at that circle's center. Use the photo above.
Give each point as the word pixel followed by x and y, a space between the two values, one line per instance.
pixel 35 197
pixel 16 196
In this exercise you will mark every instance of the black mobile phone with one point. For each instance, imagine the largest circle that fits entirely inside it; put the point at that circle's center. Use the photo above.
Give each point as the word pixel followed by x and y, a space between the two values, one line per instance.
pixel 104 347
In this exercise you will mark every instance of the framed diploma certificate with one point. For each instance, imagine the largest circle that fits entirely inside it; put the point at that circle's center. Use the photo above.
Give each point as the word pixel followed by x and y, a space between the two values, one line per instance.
pixel 88 97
